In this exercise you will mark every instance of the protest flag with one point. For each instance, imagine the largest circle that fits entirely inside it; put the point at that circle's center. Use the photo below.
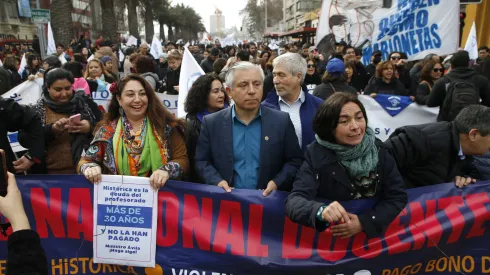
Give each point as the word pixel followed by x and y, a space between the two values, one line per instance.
pixel 51 44
pixel 23 64
pixel 189 72
pixel 156 48
pixel 471 45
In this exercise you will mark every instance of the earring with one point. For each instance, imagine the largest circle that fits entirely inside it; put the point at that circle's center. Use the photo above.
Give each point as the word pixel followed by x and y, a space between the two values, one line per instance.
pixel 121 111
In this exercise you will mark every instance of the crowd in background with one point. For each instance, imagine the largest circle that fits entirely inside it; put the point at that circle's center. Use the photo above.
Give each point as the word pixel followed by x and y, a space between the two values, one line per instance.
pixel 286 119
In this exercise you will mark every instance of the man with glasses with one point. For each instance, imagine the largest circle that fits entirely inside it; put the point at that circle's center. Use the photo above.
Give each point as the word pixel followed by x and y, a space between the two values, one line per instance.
pixel 289 96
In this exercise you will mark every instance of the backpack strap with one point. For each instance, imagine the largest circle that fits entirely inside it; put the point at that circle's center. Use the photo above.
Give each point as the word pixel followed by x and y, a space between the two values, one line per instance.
pixel 428 84
pixel 332 87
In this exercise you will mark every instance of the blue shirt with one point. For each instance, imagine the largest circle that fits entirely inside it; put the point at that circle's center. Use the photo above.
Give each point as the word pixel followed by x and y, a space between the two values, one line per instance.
pixel 246 151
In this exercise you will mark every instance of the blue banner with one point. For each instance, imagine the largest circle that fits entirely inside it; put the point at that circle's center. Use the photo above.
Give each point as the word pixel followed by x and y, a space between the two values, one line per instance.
pixel 203 230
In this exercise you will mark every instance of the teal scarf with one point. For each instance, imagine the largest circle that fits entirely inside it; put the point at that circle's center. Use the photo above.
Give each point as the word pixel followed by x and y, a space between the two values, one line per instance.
pixel 359 160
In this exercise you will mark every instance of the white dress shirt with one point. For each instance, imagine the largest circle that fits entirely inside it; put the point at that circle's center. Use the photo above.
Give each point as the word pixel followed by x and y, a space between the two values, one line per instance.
pixel 293 111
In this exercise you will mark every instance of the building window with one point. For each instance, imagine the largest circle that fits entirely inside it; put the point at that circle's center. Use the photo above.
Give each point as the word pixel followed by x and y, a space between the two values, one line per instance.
pixel 11 10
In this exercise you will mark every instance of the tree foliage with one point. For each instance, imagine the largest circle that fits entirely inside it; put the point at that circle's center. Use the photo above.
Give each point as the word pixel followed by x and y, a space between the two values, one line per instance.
pixel 255 12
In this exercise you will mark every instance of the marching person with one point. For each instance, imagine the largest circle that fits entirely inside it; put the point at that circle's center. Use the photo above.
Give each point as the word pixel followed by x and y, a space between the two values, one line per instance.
pixel 442 152
pixel 248 146
pixel 431 72
pixel 334 80
pixel 346 162
pixel 137 137
pixel 289 73
pixel 205 97
pixel 386 82
pixel 65 139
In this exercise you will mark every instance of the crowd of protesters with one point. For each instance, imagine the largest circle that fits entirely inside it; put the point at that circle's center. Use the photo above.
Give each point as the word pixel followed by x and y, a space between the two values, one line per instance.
pixel 285 119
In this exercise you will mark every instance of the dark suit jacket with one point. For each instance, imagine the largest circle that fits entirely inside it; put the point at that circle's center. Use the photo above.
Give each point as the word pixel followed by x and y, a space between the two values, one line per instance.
pixel 280 154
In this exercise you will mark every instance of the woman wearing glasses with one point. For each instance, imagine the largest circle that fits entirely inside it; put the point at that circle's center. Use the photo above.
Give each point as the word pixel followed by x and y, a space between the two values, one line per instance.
pixel 399 59
pixel 431 72
pixel 312 79
pixel 207 95
pixel 346 162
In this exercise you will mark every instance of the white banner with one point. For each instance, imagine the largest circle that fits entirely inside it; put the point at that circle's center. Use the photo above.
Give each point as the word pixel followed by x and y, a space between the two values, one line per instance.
pixel 169 101
pixel 414 27
pixel 189 72
pixel 384 124
pixel 125 221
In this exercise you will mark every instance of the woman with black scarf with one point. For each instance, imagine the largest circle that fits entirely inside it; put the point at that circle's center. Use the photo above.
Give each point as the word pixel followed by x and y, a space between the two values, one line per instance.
pixel 65 139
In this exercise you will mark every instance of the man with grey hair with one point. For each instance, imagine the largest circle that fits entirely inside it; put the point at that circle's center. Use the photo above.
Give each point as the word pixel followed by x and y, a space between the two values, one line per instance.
pixel 289 96
pixel 442 152
pixel 248 146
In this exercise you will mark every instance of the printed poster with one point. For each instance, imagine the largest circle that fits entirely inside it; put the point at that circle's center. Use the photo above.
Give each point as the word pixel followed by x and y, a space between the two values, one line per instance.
pixel 125 221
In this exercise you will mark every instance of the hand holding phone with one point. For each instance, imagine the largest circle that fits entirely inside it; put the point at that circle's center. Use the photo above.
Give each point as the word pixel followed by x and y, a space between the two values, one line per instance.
pixel 75 119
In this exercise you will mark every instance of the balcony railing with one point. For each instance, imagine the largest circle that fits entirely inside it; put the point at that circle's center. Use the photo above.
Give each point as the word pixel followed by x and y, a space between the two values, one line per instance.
pixel 308 5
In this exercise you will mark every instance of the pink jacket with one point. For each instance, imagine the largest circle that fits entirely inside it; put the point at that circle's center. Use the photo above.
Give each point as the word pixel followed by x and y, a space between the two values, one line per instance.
pixel 81 83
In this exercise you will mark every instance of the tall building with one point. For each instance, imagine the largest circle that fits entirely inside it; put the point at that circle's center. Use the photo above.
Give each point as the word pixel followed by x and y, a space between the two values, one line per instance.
pixel 217 22
pixel 13 26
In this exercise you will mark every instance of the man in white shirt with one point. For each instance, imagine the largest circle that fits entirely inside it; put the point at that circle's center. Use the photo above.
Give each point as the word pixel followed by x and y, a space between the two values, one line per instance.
pixel 288 96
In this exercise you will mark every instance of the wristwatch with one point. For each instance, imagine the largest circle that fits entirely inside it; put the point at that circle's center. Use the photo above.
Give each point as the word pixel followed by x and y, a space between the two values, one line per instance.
pixel 31 158
pixel 319 213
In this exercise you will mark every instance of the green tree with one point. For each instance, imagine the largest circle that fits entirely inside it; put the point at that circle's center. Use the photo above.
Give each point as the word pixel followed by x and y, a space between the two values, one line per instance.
pixel 255 10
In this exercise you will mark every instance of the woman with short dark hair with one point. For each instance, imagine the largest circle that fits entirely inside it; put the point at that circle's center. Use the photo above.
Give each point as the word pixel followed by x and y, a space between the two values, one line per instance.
pixel 346 162
pixel 431 72
pixel 312 79
pixel 10 64
pixel 206 96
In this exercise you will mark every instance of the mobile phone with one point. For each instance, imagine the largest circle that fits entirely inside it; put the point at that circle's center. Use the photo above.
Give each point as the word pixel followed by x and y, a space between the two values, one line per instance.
pixel 75 118
pixel 3 174
pixel 42 71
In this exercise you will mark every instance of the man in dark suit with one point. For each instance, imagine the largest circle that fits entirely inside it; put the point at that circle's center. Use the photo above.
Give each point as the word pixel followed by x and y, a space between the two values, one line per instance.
pixel 248 146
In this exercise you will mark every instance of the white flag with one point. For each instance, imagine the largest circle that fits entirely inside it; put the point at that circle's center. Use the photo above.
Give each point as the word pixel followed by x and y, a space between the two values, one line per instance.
pixel 62 58
pixel 23 64
pixel 189 72
pixel 1 64
pixel 156 48
pixel 91 57
pixel 186 45
pixel 132 41
pixel 471 44
pixel 51 44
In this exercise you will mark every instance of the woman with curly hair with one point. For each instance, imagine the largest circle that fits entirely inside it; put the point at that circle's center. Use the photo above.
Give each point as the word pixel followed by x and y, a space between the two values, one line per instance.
pixel 207 95
pixel 137 137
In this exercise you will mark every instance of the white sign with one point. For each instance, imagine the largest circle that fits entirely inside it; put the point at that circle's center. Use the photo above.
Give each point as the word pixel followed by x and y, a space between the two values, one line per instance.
pixel 132 41
pixel 125 221
pixel 384 124
pixel 416 28
pixel 40 16
pixel 169 101
pixel 156 48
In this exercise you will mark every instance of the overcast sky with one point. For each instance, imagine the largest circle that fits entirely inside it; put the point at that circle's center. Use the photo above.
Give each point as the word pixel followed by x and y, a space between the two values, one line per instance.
pixel 206 8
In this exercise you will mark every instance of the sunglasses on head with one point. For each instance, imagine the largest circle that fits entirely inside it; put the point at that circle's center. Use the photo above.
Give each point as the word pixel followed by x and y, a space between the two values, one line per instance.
pixel 395 58
pixel 438 70
pixel 311 66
